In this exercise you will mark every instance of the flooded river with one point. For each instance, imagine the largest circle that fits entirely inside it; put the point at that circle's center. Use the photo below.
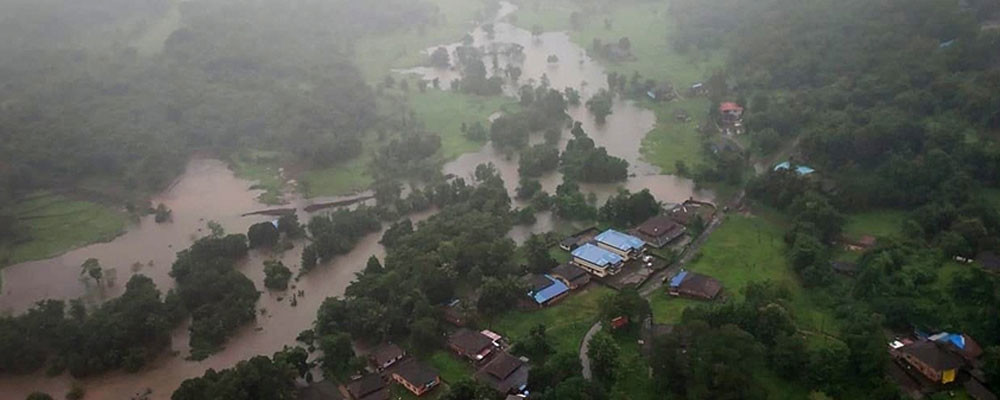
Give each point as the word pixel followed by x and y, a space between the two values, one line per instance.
pixel 208 190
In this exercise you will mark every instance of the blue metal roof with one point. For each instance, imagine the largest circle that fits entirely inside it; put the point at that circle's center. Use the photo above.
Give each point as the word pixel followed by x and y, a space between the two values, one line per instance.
pixel 677 279
pixel 620 240
pixel 956 339
pixel 549 292
pixel 801 169
pixel 596 255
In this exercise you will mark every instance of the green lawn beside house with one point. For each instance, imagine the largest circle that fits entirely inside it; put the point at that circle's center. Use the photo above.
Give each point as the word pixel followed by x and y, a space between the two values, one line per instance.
pixel 671 140
pixel 56 224
pixel 566 322
pixel 449 366
pixel 879 223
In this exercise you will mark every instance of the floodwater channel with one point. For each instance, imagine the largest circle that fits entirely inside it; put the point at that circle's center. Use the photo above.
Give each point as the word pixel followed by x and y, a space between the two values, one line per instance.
pixel 209 191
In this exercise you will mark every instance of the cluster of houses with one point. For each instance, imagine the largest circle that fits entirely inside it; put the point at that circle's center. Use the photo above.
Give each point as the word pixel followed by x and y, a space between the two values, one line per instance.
pixel 496 368
pixel 389 363
pixel 928 363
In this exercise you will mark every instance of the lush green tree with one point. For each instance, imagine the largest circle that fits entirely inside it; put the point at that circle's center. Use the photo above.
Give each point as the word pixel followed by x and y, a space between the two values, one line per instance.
pixel 604 355
pixel 536 250
pixel 536 345
pixel 600 105
pixel 497 295
pixel 257 378
pixel 92 268
pixel 276 275
pixel 39 396
pixel 338 354
pixel 584 162
pixel 528 188
pixel 627 209
pixel 263 234
pixel 537 160
pixel 468 389
pixel 625 303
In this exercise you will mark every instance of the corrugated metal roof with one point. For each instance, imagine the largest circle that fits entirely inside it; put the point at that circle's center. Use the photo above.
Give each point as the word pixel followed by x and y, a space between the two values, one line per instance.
pixel 548 293
pixel 801 169
pixel 596 255
pixel 677 279
pixel 620 240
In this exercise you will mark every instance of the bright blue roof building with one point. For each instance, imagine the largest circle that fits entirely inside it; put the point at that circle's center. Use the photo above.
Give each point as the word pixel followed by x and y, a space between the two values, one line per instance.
pixel 548 293
pixel 620 241
pixel 597 256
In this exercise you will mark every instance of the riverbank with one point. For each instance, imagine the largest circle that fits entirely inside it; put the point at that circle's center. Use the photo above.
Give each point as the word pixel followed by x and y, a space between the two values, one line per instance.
pixel 56 223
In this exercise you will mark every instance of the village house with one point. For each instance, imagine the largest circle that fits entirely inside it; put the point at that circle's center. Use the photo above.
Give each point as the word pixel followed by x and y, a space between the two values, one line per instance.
pixel 958 343
pixel 505 374
pixel 471 345
pixel 453 313
pixel 660 231
pixel 571 275
pixel 625 246
pixel 545 289
pixel 989 261
pixel 931 360
pixel 384 356
pixel 844 267
pixel 416 377
pixel 731 112
pixel 597 260
pixel 865 243
pixel 322 390
pixel 694 285
pixel 368 387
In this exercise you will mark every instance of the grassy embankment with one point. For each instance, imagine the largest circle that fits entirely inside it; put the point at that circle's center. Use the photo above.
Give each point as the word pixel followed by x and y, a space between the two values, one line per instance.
pixel 648 27
pixel 443 112
pixel 56 224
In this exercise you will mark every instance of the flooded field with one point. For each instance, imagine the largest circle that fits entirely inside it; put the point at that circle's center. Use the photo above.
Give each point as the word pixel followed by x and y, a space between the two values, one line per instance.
pixel 208 191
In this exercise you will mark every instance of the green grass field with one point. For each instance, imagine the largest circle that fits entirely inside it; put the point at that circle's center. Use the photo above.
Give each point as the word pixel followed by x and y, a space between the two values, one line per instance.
pixel 882 223
pixel 261 167
pixel 671 140
pixel 443 112
pixel 377 55
pixel 57 224
pixel 343 179
pixel 566 322
pixel 450 367
pixel 743 250
pixel 647 25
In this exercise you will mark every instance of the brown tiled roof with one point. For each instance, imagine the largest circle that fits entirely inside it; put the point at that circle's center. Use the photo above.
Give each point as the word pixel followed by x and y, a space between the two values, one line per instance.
pixel 701 286
pixel 324 390
pixel 978 391
pixel 369 387
pixel 416 372
pixel 934 356
pixel 469 341
pixel 503 365
pixel 659 226
pixel 504 374
pixel 537 282
pixel 568 271
pixel 385 353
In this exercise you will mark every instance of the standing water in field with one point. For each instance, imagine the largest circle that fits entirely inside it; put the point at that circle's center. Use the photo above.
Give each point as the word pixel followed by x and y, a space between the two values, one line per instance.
pixel 622 133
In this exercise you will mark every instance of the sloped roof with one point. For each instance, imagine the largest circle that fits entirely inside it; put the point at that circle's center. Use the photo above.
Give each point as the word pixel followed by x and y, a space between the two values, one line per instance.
pixel 931 354
pixel 677 279
pixel 730 106
pixel 568 271
pixel 554 289
pixel 505 373
pixel 659 226
pixel 385 353
pixel 417 373
pixel 596 255
pixel 620 241
pixel 469 341
pixel 369 387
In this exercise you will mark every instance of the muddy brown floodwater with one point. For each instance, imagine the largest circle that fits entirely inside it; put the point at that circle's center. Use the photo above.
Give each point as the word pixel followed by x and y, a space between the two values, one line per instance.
pixel 621 134
pixel 208 190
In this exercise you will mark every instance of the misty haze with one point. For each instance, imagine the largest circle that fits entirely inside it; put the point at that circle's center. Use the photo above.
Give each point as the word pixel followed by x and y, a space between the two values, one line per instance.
pixel 499 200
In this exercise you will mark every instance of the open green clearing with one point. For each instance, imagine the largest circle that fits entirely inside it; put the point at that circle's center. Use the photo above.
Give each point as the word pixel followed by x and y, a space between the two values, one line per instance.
pixel 444 112
pixel 260 167
pixel 338 180
pixel 647 25
pixel 56 224
pixel 744 250
pixel 881 223
pixel 451 368
pixel 566 322
pixel 377 55
pixel 672 140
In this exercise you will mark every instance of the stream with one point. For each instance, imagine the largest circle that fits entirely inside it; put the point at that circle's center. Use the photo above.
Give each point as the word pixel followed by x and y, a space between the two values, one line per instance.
pixel 208 190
